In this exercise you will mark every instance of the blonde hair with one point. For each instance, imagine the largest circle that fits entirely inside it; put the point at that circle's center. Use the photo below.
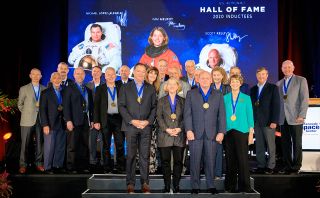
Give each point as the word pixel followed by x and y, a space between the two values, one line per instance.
pixel 222 72
pixel 165 87
pixel 156 83
pixel 163 32
pixel 236 77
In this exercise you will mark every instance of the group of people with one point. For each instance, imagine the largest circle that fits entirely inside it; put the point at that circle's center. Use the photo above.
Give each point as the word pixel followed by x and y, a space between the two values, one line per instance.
pixel 160 113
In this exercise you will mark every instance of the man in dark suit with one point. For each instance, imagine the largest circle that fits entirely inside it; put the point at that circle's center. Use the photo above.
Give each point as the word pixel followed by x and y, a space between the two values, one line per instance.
pixel 108 119
pixel 137 105
pixel 51 117
pixel 77 111
pixel 266 109
pixel 295 102
pixel 124 74
pixel 205 125
pixel 95 136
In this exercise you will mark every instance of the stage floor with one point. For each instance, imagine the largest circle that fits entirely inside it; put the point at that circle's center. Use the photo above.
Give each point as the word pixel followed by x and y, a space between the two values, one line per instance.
pixel 73 185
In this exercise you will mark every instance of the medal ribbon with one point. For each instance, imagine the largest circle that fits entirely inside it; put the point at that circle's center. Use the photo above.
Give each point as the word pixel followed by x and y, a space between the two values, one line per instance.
pixel 285 87
pixel 173 105
pixel 214 86
pixel 205 97
pixel 139 92
pixel 58 94
pixel 36 93
pixel 112 94
pixel 234 104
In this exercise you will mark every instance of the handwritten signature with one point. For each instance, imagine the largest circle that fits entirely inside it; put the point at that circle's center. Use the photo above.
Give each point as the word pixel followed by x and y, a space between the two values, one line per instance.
pixel 234 36
pixel 122 19
pixel 178 26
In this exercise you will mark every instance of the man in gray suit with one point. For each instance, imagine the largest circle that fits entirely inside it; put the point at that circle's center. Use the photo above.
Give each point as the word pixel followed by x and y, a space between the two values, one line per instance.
pixel 205 124
pixel 137 106
pixel 295 101
pixel 28 104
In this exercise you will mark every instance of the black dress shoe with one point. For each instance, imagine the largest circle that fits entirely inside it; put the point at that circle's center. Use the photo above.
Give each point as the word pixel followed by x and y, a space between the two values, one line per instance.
pixel 213 191
pixel 284 171
pixel 195 191
pixel 49 172
pixel 176 189
pixel 259 170
pixel 268 171
pixel 166 189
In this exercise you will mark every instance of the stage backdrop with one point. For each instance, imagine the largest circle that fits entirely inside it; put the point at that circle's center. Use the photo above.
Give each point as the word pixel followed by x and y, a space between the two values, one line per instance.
pixel 245 32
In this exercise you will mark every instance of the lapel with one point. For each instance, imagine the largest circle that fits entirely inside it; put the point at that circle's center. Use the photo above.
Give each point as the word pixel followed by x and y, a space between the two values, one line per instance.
pixel 292 84
pixel 31 91
pixel 264 89
pixel 53 95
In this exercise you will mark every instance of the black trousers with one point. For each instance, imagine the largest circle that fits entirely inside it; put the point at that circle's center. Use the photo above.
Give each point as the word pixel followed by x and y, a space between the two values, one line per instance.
pixel 165 153
pixel 78 147
pixel 113 127
pixel 291 144
pixel 237 161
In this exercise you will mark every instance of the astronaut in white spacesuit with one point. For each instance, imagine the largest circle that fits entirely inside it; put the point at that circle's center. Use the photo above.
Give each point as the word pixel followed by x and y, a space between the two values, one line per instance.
pixel 105 52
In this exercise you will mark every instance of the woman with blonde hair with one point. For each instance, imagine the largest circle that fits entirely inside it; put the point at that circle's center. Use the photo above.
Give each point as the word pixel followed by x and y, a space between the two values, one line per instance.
pixel 171 137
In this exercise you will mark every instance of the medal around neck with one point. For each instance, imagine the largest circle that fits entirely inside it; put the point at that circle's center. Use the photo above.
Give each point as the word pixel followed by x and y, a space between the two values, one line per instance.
pixel 139 99
pixel 173 116
pixel 233 117
pixel 205 105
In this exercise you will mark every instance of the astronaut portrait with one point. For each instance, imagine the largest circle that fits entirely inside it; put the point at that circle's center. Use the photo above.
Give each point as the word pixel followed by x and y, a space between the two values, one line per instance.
pixel 217 55
pixel 102 43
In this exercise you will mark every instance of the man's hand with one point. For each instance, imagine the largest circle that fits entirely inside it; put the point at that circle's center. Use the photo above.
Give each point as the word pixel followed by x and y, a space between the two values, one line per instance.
pixel 190 135
pixel 300 120
pixel 219 137
pixel 70 126
pixel 273 125
pixel 46 130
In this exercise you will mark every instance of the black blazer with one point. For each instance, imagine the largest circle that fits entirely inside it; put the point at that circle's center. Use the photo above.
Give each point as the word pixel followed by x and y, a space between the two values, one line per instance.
pixel 129 107
pixel 268 110
pixel 72 105
pixel 101 105
pixel 91 85
pixel 49 114
pixel 165 122
pixel 119 82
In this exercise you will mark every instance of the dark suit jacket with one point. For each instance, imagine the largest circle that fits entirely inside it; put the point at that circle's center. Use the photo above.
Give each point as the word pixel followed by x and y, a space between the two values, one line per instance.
pixel 91 85
pixel 72 105
pixel 268 110
pixel 49 114
pixel 101 105
pixel 119 82
pixel 165 122
pixel 130 109
pixel 199 120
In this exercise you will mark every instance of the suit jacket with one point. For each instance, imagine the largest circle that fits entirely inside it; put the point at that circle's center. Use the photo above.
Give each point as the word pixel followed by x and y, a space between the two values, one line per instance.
pixel 297 102
pixel 129 107
pixel 165 122
pixel 185 79
pixel 183 93
pixel 91 86
pixel 119 82
pixel 27 105
pixel 201 121
pixel 49 114
pixel 268 110
pixel 72 105
pixel 101 105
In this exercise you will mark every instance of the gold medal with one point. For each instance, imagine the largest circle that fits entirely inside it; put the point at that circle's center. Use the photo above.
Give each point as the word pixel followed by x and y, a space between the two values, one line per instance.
pixel 139 100
pixel 233 117
pixel 113 104
pixel 37 104
pixel 60 108
pixel 257 103
pixel 285 97
pixel 205 105
pixel 173 116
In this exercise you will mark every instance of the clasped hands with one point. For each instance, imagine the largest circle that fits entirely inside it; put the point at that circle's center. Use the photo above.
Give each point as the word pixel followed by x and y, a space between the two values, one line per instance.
pixel 173 132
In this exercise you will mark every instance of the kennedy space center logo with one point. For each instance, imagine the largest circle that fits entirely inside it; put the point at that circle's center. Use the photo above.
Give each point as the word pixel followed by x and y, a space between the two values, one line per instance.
pixel 311 127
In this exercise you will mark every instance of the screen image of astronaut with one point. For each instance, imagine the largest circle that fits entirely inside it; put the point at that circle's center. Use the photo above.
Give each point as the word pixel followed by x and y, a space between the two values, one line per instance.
pixel 102 44
pixel 222 55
